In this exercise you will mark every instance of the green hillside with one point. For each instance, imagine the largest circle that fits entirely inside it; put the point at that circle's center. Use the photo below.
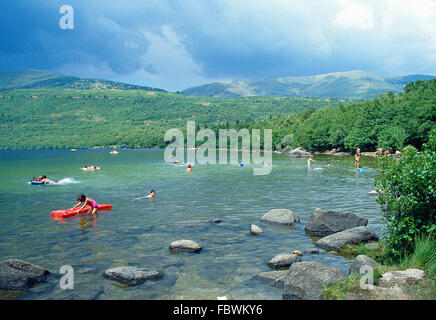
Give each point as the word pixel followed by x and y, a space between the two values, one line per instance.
pixel 352 84
pixel 69 118
pixel 38 79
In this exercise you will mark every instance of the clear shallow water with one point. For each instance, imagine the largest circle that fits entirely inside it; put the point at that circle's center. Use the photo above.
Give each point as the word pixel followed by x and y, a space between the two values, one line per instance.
pixel 138 232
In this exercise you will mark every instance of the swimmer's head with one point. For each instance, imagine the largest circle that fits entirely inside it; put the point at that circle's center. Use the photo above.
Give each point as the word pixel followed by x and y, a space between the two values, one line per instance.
pixel 81 197
pixel 44 177
pixel 152 192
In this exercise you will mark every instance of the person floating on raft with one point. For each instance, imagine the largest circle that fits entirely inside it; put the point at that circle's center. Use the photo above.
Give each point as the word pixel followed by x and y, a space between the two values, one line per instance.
pixel 41 180
pixel 84 201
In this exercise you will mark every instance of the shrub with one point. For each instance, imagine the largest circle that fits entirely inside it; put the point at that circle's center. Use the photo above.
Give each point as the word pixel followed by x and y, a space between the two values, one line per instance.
pixel 407 196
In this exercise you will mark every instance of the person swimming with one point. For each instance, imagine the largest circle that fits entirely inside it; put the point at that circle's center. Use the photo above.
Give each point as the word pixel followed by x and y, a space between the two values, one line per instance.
pixel 86 201
pixel 329 164
pixel 150 196
pixel 189 168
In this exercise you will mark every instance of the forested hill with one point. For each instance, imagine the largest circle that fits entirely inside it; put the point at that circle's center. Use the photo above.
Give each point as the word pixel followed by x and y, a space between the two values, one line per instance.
pixel 388 121
pixel 355 84
pixel 35 79
pixel 67 118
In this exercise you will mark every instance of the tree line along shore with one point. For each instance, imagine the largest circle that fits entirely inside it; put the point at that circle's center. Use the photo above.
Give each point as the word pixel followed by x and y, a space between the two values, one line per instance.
pixel 57 119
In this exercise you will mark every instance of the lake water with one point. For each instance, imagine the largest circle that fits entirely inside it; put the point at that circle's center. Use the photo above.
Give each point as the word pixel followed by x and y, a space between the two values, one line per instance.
pixel 138 232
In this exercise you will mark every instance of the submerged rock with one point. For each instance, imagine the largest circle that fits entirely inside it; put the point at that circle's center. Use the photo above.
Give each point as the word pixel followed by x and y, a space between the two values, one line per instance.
pixel 325 222
pixel 275 278
pixel 20 275
pixel 281 216
pixel 305 280
pixel 132 275
pixel 185 246
pixel 360 261
pixel 311 251
pixel 256 230
pixel 283 260
pixel 337 240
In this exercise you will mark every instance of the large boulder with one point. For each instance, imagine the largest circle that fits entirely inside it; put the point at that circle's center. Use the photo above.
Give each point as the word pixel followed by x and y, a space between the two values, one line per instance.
pixel 132 275
pixel 283 260
pixel 275 278
pixel 337 240
pixel 305 280
pixel 298 153
pixel 20 275
pixel 360 261
pixel 256 230
pixel 325 222
pixel 281 216
pixel 185 246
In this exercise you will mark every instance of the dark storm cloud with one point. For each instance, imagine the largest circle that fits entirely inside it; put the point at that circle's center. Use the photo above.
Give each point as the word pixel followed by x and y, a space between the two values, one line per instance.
pixel 177 44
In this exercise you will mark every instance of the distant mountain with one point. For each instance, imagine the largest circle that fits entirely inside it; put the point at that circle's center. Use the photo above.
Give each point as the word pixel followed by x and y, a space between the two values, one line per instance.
pixel 39 79
pixel 355 84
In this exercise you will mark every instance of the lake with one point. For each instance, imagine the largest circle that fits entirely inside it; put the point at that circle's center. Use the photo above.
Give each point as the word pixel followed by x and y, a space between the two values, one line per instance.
pixel 138 232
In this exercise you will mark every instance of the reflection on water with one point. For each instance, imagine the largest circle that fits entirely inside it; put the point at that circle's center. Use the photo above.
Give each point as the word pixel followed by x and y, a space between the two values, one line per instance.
pixel 138 232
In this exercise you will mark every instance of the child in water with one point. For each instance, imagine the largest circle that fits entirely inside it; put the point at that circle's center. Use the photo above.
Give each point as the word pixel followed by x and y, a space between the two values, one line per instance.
pixel 86 201
pixel 189 168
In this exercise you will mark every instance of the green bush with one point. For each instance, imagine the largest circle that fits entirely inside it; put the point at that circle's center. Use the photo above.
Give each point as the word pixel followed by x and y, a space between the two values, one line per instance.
pixel 407 196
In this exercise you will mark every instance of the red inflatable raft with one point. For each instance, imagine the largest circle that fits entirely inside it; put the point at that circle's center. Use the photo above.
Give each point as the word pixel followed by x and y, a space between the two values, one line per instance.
pixel 70 213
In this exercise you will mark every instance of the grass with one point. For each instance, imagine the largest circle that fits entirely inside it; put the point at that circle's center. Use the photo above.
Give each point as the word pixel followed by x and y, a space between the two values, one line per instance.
pixel 423 258
pixel 337 290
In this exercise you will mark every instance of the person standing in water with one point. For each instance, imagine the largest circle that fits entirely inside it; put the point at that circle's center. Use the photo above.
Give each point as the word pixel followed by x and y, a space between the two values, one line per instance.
pixel 357 160
pixel 189 168
pixel 86 201
pixel 309 161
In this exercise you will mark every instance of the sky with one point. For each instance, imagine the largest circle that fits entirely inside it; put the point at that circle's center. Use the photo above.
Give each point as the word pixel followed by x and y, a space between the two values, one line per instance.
pixel 174 45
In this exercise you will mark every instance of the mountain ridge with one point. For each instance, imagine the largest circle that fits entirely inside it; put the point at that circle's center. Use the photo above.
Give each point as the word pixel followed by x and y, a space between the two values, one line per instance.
pixel 42 79
pixel 355 84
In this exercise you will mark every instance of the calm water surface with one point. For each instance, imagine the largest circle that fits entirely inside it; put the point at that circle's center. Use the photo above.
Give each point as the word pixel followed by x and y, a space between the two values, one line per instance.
pixel 138 232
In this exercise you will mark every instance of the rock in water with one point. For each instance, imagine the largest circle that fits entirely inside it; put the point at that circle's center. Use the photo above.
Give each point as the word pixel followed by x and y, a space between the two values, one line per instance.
pixel 281 216
pixel 20 275
pixel 325 222
pixel 275 278
pixel 311 251
pixel 255 230
pixel 283 260
pixel 132 275
pixel 305 280
pixel 297 252
pixel 298 153
pixel 360 261
pixel 185 246
pixel 337 240
pixel 373 193
pixel 215 220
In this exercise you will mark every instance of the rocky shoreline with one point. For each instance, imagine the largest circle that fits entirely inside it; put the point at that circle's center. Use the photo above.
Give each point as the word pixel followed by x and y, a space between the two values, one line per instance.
pixel 297 278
